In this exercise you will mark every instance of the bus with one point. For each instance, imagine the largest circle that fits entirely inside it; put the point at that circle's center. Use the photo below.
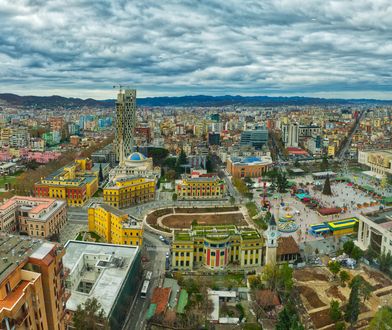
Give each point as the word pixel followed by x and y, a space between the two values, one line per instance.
pixel 143 292
pixel 148 276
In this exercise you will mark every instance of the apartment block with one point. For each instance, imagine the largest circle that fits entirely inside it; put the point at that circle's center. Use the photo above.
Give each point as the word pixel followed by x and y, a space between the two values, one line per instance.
pixel 32 286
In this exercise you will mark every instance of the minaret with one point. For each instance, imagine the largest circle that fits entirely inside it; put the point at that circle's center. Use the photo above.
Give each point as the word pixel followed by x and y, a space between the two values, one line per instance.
pixel 272 241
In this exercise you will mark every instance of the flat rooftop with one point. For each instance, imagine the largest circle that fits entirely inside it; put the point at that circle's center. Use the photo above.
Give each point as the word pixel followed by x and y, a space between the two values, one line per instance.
pixel 105 266
pixel 15 249
pixel 380 217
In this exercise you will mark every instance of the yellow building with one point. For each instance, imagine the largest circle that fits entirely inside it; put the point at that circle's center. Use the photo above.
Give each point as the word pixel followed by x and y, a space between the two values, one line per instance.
pixel 114 225
pixel 76 183
pixel 128 191
pixel 216 246
pixel 331 151
pixel 201 187
pixel 32 292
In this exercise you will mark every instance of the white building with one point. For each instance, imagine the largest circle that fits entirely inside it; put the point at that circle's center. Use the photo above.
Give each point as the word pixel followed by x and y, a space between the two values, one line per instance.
pixel 290 134
pixel 375 231
pixel 108 272
pixel 380 162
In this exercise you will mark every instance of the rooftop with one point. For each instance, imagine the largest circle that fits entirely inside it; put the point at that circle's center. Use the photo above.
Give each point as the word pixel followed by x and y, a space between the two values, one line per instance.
pixel 14 250
pixel 102 268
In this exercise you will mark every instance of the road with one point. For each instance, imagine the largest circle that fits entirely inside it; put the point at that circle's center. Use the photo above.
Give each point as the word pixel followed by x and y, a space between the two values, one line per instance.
pixel 347 144
pixel 155 251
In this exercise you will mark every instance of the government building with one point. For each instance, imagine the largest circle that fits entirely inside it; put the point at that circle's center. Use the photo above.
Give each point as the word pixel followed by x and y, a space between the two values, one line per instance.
pixel 216 247
pixel 128 191
pixel 248 167
pixel 76 182
pixel 114 225
pixel 38 217
pixel 200 187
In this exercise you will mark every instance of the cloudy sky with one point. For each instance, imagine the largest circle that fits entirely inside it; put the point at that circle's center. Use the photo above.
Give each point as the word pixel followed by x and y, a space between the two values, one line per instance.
pixel 81 48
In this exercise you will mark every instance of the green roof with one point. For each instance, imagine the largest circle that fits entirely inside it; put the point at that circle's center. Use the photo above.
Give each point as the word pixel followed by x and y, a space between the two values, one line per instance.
pixel 151 311
pixel 387 200
pixel 182 301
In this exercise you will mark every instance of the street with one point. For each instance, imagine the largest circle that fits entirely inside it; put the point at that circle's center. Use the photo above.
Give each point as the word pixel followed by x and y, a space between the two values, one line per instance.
pixel 155 251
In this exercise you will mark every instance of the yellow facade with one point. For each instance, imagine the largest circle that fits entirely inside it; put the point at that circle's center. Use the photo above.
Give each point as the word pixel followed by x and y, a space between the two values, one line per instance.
pixel 200 188
pixel 114 225
pixel 75 182
pixel 216 247
pixel 331 151
pixel 129 191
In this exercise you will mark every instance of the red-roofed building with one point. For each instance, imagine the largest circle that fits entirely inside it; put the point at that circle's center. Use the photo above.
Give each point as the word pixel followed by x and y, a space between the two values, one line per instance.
pixel 161 297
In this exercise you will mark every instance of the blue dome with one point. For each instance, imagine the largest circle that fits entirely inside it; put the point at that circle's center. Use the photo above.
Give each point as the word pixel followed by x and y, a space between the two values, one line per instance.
pixel 136 156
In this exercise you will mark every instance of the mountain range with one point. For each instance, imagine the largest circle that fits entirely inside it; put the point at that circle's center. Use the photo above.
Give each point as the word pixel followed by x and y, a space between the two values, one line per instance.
pixel 183 101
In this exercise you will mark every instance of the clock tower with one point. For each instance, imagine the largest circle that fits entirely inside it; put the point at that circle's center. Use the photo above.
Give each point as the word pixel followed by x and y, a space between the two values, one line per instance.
pixel 271 235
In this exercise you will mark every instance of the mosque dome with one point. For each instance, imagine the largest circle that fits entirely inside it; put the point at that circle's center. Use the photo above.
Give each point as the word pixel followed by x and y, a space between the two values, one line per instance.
pixel 136 157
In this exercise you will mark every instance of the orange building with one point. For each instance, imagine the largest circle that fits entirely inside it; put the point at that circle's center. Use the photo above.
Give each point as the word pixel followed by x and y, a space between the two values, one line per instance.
pixel 250 167
pixel 32 294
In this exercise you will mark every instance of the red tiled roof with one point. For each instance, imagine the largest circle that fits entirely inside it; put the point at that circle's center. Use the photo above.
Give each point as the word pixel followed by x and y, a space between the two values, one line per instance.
pixel 329 211
pixel 160 297
pixel 287 245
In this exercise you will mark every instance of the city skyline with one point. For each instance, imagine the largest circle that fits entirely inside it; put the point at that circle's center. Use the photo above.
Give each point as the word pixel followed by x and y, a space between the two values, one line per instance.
pixel 276 48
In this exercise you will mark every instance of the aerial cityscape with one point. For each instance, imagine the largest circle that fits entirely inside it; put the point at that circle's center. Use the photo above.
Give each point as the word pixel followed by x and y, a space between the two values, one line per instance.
pixel 195 165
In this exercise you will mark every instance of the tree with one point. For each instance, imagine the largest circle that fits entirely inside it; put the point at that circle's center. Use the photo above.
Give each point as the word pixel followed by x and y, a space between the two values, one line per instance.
pixel 327 187
pixel 282 182
pixel 334 267
pixel 348 247
pixel 356 253
pixel 324 163
pixel 232 200
pixel 365 290
pixel 209 165
pixel 277 277
pixel 334 311
pixel 344 277
pixel 288 319
pixel 353 305
pixel 174 197
pixel 385 261
pixel 181 161
pixel 382 320
pixel 90 316
pixel 100 175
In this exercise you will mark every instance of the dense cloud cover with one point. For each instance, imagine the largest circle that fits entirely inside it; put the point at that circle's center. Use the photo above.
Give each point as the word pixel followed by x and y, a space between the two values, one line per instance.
pixel 264 47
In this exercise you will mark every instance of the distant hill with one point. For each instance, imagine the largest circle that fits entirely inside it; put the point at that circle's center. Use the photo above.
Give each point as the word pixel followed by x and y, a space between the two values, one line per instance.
pixel 183 101
pixel 53 101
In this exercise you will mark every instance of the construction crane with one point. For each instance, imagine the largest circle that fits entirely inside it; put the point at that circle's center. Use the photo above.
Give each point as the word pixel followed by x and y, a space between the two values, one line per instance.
pixel 120 87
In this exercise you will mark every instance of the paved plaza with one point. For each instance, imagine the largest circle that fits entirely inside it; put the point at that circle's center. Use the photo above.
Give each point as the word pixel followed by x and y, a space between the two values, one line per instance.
pixel 70 231
pixel 343 194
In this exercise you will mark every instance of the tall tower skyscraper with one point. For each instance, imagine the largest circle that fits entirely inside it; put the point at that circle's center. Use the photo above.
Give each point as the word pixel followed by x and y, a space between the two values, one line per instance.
pixel 125 122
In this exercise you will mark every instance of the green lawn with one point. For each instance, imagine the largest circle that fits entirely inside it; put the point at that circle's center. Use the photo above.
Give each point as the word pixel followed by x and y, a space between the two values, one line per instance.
pixel 7 179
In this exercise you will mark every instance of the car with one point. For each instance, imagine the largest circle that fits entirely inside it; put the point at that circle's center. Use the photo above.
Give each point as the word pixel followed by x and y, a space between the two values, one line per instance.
pixel 167 254
pixel 161 238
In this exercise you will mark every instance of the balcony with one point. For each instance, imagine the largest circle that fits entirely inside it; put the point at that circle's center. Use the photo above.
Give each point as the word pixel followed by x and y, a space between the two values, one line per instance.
pixel 21 317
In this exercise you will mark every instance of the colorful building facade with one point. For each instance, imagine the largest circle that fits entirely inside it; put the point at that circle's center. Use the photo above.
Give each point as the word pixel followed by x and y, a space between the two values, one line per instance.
pixel 200 187
pixel 215 247
pixel 128 191
pixel 114 225
pixel 76 183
